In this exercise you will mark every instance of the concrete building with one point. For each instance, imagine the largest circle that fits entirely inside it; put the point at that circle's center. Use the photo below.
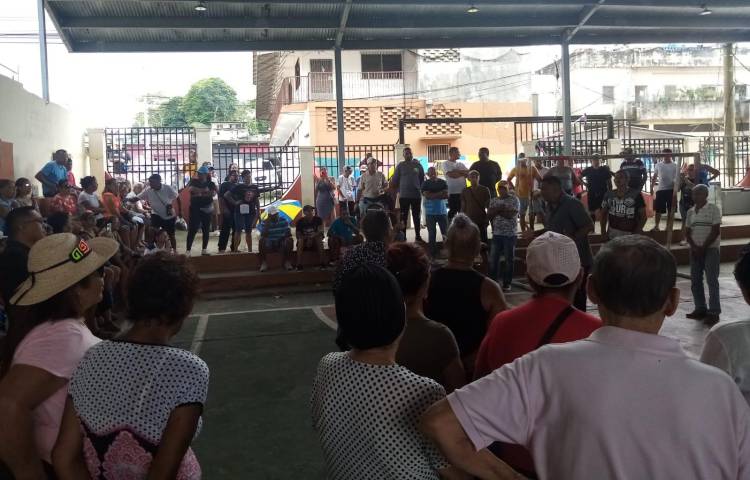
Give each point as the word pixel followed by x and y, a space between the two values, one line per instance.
pixel 673 88
pixel 296 93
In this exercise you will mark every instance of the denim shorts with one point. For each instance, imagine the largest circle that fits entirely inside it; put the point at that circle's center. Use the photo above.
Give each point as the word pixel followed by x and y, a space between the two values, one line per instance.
pixel 243 222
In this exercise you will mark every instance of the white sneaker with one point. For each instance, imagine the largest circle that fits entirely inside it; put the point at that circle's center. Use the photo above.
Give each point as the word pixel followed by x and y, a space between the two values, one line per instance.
pixel 683 242
pixel 288 266
pixel 205 252
pixel 188 253
pixel 263 267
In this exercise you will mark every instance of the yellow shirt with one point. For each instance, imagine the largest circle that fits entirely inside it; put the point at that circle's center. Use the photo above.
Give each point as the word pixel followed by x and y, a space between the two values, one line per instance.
pixel 523 180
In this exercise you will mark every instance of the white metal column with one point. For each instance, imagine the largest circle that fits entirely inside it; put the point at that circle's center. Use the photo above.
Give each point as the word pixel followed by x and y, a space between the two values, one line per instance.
pixel 565 75
pixel 339 109
pixel 43 50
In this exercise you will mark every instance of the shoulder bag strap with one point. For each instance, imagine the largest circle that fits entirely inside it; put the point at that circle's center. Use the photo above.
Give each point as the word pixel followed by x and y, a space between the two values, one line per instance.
pixel 555 325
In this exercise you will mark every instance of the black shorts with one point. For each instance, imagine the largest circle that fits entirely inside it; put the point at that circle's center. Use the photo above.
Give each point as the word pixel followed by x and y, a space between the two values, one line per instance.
pixel 663 201
pixel 594 201
pixel 165 224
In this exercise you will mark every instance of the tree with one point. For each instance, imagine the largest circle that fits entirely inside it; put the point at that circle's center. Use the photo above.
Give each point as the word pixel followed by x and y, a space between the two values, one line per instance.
pixel 172 113
pixel 210 100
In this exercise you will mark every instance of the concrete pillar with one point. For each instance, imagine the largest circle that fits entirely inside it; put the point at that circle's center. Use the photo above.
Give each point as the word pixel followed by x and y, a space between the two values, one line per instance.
pixel 529 148
pixel 399 152
pixel 614 147
pixel 690 145
pixel 97 155
pixel 307 174
pixel 203 144
pixel 565 77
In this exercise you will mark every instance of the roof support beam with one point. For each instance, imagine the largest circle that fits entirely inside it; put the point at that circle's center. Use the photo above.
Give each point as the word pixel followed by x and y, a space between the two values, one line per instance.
pixel 43 50
pixel 342 23
pixel 714 4
pixel 584 18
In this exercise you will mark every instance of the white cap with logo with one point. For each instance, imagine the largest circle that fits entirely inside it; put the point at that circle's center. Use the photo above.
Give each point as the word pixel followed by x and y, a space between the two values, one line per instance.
pixel 552 254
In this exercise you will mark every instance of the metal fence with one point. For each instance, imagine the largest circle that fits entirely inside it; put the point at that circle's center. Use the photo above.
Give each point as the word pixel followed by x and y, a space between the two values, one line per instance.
pixel 712 148
pixel 327 156
pixel 136 153
pixel 273 168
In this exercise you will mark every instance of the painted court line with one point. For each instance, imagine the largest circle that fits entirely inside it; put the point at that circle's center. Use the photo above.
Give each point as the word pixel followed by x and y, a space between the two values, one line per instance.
pixel 266 310
pixel 200 332
pixel 324 318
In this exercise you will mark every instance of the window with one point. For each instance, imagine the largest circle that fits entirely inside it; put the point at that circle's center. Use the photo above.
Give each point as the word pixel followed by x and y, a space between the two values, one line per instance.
pixel 608 95
pixel 641 92
pixel 381 65
pixel 741 91
pixel 670 92
pixel 437 153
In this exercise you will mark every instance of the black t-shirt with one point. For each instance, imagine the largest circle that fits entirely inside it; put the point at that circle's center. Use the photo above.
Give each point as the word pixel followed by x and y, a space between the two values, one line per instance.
pixel 434 186
pixel 201 201
pixel 598 179
pixel 245 195
pixel 636 171
pixel 489 174
pixel 623 212
pixel 309 227
pixel 223 189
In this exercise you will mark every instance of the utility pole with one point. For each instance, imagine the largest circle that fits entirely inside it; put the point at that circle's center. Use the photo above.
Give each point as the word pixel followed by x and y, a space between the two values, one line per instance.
pixel 730 123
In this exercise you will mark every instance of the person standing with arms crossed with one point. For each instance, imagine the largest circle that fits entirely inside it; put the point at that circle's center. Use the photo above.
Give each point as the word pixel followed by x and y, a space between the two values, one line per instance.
pixel 455 175
pixel 489 171
pixel 665 174
pixel 526 176
pixel 407 181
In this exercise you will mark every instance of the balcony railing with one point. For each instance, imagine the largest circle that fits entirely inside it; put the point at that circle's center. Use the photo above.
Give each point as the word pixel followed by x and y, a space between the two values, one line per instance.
pixel 321 87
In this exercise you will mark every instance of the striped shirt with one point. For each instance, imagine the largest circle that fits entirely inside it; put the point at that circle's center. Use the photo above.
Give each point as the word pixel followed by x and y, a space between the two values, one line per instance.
pixel 701 222
pixel 277 230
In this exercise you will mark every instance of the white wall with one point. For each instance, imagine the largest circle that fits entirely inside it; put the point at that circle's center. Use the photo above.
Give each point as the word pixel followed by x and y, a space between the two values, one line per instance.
pixel 36 130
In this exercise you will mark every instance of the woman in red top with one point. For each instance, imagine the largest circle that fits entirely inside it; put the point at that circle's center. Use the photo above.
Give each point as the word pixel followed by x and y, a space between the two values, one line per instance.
pixel 64 201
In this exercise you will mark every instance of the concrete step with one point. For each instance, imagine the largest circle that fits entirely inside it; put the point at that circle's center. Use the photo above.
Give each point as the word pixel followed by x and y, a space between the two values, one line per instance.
pixel 239 271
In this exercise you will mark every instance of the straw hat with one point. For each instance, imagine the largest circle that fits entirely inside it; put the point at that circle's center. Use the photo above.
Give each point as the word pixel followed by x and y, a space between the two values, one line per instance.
pixel 58 262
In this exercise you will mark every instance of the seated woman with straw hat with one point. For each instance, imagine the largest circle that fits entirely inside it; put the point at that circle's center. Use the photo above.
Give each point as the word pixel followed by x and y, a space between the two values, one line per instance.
pixel 46 339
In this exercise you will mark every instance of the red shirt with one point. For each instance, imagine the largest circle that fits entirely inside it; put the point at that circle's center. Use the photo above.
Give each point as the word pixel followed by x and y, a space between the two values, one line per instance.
pixel 64 203
pixel 516 332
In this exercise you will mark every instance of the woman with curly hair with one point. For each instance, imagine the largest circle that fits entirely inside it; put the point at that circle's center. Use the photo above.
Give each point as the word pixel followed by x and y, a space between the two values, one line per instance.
pixel 135 404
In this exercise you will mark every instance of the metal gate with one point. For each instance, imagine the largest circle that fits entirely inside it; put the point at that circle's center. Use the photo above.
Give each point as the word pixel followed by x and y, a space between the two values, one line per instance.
pixel 273 169
pixel 712 149
pixel 136 153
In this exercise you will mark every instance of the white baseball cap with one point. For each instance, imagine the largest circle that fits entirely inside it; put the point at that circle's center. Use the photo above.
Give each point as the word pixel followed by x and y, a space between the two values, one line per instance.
pixel 272 210
pixel 552 254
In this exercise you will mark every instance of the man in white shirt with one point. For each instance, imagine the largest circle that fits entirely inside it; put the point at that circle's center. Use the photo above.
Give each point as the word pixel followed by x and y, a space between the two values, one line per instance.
pixel 703 234
pixel 728 344
pixel 455 175
pixel 625 403
pixel 345 190
pixel 160 197
pixel 665 173
pixel 372 185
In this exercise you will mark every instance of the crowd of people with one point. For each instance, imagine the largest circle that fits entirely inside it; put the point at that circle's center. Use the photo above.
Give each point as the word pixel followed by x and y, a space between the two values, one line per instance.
pixel 436 377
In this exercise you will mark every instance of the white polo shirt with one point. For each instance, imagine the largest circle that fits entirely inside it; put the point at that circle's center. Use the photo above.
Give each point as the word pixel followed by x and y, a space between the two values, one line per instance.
pixel 618 405
pixel 701 223
pixel 728 348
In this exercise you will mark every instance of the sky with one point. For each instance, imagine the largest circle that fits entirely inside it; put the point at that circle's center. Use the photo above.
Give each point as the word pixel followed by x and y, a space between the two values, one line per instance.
pixel 103 88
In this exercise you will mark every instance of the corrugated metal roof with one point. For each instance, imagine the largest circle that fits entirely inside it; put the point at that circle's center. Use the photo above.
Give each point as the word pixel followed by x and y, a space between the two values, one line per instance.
pixel 172 25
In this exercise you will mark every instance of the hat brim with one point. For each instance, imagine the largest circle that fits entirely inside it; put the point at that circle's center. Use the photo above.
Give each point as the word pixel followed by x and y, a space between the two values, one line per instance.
pixel 48 284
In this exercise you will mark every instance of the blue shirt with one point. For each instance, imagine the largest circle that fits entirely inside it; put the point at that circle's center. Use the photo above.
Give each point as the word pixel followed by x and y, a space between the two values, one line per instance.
pixel 53 172
pixel 435 207
pixel 277 230
pixel 341 229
